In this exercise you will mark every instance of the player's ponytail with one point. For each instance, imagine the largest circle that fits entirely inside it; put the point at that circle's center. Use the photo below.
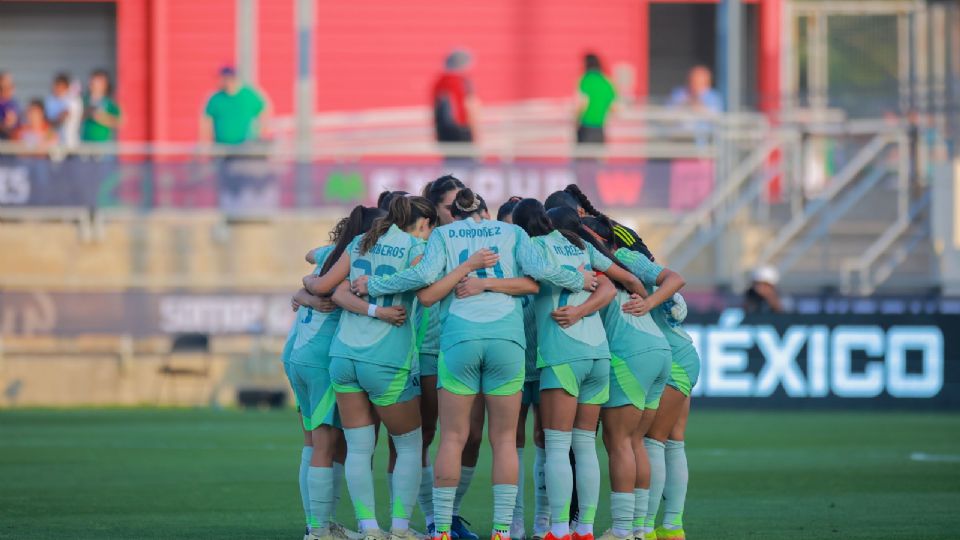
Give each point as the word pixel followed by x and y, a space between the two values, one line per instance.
pixel 621 236
pixel 404 212
pixel 568 223
pixel 466 204
pixel 359 221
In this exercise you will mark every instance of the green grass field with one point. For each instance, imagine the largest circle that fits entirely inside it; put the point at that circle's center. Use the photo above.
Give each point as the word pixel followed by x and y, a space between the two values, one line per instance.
pixel 147 473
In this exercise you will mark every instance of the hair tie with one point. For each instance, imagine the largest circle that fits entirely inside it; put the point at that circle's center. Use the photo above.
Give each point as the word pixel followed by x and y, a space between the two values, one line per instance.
pixel 472 208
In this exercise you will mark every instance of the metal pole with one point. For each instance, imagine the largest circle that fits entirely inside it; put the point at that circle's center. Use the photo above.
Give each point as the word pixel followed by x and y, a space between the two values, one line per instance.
pixel 305 95
pixel 247 40
pixel 730 49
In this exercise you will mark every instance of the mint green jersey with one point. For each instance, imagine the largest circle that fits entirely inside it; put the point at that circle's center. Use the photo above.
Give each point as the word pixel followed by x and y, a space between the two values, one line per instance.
pixel 630 335
pixel 585 340
pixel 489 315
pixel 368 339
pixel 314 329
pixel 648 272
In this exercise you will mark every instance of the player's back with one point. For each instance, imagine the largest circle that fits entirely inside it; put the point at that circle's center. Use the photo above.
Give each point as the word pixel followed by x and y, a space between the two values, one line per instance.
pixel 585 339
pixel 366 338
pixel 488 314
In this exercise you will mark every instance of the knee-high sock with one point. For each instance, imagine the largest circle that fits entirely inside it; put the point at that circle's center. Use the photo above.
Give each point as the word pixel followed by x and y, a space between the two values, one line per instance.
pixel 621 510
pixel 466 476
pixel 504 500
pixel 541 509
pixel 337 488
pixel 559 479
pixel 360 445
pixel 443 507
pixel 657 477
pixel 588 478
pixel 321 496
pixel 641 499
pixel 425 496
pixel 305 456
pixel 406 476
pixel 521 484
pixel 675 487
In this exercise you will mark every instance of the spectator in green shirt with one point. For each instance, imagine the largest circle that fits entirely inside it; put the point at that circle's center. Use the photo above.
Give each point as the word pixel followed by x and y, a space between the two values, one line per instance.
pixel 597 95
pixel 101 115
pixel 234 114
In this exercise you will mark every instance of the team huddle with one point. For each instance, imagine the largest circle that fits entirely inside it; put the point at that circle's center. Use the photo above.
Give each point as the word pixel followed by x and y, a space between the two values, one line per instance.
pixel 425 311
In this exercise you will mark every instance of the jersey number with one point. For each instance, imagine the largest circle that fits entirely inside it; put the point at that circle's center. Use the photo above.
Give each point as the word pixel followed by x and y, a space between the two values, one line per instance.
pixel 482 272
pixel 382 270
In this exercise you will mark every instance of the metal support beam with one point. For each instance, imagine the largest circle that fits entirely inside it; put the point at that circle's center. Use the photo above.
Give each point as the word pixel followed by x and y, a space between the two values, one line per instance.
pixel 247 40
pixel 730 53
pixel 305 93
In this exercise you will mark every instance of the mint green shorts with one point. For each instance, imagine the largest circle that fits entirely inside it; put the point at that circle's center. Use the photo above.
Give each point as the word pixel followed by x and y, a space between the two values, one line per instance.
pixel 315 395
pixel 428 365
pixel 489 366
pixel 384 385
pixel 639 379
pixel 685 370
pixel 586 380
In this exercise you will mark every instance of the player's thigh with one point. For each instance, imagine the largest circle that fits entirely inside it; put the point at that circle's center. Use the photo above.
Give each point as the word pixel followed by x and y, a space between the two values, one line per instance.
pixel 502 372
pixel 671 405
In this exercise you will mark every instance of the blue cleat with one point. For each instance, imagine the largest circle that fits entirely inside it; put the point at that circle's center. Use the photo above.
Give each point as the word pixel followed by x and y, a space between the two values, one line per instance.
pixel 459 530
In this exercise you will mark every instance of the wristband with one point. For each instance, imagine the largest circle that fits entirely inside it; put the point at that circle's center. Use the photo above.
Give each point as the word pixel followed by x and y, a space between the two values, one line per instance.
pixel 372 311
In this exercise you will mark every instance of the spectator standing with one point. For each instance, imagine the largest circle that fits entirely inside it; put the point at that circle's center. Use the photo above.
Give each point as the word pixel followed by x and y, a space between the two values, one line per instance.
pixel 698 95
pixel 234 114
pixel 10 114
pixel 64 110
pixel 596 97
pixel 101 114
pixel 36 134
pixel 454 104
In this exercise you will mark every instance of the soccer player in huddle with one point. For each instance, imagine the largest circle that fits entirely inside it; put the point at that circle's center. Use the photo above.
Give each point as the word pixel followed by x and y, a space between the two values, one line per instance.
pixel 560 308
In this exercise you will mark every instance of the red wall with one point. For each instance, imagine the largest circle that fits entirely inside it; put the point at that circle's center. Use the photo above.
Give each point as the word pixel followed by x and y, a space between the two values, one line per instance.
pixel 378 53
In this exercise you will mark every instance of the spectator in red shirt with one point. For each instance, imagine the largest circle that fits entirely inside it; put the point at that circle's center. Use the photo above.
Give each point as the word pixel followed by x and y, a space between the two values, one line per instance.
pixel 454 106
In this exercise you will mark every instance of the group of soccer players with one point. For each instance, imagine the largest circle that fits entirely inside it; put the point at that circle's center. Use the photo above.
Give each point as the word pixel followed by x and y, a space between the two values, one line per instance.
pixel 425 311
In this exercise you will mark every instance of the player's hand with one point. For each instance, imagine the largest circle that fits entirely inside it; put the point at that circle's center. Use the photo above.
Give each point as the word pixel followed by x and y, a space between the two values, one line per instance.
pixel 589 278
pixel 359 286
pixel 395 315
pixel 637 306
pixel 566 316
pixel 483 258
pixel 470 286
pixel 324 305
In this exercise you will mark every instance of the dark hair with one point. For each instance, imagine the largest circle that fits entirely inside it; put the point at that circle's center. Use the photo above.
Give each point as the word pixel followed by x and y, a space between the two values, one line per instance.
pixel 507 207
pixel 106 75
pixel 404 212
pixel 359 221
pixel 600 228
pixel 62 78
pixel 466 204
pixel 567 221
pixel 434 191
pixel 37 102
pixel 592 62
pixel 530 215
pixel 386 197
pixel 560 198
pixel 584 202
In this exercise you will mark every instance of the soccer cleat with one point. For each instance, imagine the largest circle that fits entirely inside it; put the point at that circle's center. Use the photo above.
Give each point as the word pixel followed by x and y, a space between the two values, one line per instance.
pixel 610 535
pixel 576 536
pixel 445 535
pixel 331 532
pixel 342 533
pixel 408 534
pixel 459 530
pixel 497 535
pixel 670 534
pixel 550 536
pixel 373 534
